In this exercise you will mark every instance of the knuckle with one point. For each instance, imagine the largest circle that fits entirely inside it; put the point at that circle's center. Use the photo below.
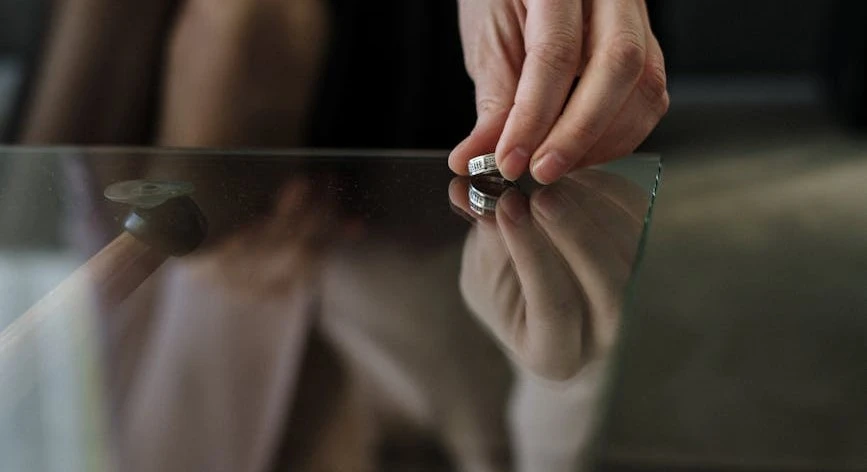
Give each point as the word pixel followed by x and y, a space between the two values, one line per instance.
pixel 664 104
pixel 583 133
pixel 490 106
pixel 559 53
pixel 654 87
pixel 528 114
pixel 626 54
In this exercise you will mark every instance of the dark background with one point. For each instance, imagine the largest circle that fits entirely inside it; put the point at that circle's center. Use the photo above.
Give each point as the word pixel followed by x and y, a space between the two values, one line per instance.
pixel 749 351
pixel 719 53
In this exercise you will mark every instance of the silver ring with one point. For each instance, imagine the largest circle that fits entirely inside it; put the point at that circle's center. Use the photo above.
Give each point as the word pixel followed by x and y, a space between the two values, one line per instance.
pixel 484 192
pixel 486 164
pixel 482 203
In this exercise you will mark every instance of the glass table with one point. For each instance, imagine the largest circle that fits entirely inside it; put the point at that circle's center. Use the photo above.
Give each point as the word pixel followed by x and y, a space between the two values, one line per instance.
pixel 308 310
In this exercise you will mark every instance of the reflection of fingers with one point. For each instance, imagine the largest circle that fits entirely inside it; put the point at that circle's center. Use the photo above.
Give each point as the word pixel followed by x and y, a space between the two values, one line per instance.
pixel 459 198
pixel 549 329
pixel 609 217
pixel 606 218
pixel 292 196
pixel 607 83
pixel 459 189
pixel 590 254
pixel 301 216
pixel 620 191
pixel 487 281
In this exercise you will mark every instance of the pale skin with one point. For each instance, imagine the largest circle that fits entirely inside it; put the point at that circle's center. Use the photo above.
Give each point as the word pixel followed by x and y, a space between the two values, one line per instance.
pixel 523 57
pixel 547 274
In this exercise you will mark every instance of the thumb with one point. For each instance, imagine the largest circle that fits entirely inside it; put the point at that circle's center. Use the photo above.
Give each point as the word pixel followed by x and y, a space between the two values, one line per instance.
pixel 494 97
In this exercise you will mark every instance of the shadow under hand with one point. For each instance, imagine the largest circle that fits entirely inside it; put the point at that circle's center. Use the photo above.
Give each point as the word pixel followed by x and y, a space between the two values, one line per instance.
pixel 547 273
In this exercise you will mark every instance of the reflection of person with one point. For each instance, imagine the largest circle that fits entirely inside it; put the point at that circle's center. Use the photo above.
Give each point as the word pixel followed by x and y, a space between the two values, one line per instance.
pixel 547 276
pixel 285 344
pixel 205 73
pixel 223 371
pixel 242 73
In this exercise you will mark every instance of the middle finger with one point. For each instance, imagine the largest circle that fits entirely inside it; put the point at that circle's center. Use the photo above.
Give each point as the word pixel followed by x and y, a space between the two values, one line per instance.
pixel 610 76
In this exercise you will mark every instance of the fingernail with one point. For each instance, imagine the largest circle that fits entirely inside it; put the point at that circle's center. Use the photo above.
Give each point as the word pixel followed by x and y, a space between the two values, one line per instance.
pixel 550 203
pixel 549 167
pixel 514 163
pixel 514 206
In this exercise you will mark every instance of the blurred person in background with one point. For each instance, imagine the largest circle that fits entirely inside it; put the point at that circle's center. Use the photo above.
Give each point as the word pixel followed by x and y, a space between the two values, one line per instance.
pixel 269 73
pixel 339 73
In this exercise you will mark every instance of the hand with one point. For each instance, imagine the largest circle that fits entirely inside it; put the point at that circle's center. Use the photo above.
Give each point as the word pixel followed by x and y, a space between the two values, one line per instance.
pixel 524 57
pixel 548 274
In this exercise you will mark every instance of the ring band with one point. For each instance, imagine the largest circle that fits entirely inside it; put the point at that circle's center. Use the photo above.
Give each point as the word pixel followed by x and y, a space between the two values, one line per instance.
pixel 482 203
pixel 485 164
pixel 484 192
pixel 494 185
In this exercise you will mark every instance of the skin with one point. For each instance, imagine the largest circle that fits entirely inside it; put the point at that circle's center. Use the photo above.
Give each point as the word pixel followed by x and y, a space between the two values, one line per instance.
pixel 524 56
pixel 547 274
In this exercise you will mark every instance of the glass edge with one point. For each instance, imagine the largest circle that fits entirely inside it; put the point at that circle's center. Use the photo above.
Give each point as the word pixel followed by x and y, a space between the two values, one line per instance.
pixel 241 152
pixel 409 153
pixel 613 376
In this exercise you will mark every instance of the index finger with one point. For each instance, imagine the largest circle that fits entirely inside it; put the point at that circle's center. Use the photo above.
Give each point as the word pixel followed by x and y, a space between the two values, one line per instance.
pixel 552 40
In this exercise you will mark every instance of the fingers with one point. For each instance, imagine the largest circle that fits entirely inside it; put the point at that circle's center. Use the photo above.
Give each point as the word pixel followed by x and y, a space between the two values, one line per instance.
pixel 493 61
pixel 552 41
pixel 459 197
pixel 549 332
pixel 645 107
pixel 619 54
pixel 481 140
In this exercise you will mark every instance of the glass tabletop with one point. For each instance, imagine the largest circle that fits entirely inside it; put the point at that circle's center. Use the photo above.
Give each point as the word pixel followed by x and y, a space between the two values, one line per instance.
pixel 308 310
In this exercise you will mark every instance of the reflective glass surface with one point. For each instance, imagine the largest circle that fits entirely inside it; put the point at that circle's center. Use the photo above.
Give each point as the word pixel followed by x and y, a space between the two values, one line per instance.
pixel 308 310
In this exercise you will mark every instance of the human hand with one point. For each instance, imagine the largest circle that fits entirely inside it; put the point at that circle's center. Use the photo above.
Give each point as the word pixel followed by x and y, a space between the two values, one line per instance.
pixel 524 55
pixel 548 274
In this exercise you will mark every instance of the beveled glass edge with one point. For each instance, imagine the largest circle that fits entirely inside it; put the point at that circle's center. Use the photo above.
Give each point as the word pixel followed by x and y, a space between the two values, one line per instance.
pixel 295 152
pixel 300 152
pixel 611 383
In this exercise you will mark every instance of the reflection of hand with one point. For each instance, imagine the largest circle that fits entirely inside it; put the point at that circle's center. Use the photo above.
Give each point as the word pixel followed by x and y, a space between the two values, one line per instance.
pixel 548 275
pixel 524 56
